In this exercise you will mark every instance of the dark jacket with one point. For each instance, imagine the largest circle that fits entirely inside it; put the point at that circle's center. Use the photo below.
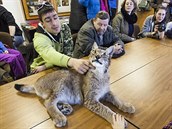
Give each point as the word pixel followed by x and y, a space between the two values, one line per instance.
pixel 78 16
pixel 88 35
pixel 93 7
pixel 7 19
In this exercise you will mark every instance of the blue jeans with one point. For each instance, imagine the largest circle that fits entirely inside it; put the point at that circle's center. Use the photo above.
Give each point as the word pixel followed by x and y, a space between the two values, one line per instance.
pixel 18 40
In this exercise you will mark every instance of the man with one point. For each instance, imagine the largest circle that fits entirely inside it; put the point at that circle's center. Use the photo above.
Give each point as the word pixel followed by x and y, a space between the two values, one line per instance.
pixel 97 30
pixel 53 43
pixel 8 24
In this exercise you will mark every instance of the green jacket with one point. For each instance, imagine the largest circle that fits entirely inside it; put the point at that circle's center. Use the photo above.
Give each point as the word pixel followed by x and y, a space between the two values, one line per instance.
pixel 51 52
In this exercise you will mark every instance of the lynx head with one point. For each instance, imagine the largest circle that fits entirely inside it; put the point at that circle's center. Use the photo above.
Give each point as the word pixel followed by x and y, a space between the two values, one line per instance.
pixel 100 58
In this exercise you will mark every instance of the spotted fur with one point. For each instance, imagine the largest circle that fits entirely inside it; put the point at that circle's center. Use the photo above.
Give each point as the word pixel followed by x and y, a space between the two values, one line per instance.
pixel 63 88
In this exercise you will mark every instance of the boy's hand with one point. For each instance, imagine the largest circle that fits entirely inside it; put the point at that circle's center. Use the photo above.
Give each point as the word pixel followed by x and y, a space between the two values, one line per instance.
pixel 80 65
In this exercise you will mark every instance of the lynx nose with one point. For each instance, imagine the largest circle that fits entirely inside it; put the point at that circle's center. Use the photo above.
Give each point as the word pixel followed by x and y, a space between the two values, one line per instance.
pixel 97 57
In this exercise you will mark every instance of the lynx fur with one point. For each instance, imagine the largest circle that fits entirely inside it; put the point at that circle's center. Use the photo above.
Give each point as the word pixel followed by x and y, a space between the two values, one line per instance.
pixel 63 88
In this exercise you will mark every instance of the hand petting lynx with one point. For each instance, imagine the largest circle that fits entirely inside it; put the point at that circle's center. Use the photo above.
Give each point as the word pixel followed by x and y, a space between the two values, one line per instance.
pixel 63 88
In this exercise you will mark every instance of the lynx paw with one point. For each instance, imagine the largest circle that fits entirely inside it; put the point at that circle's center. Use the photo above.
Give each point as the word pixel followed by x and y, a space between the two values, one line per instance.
pixel 127 107
pixel 60 121
pixel 66 109
pixel 125 124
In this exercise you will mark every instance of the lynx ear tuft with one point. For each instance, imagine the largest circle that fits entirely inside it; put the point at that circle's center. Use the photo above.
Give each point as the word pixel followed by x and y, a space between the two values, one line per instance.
pixel 18 86
pixel 95 46
pixel 110 51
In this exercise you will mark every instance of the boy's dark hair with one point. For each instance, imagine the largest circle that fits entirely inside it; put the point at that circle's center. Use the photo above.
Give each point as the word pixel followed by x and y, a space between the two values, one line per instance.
pixel 44 8
pixel 102 15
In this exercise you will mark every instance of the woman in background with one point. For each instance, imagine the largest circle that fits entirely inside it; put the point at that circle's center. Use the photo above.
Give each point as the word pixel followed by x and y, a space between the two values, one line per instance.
pixel 168 31
pixel 154 25
pixel 165 3
pixel 123 23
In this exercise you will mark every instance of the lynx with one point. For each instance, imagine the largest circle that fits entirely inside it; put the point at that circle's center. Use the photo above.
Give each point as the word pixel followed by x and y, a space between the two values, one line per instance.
pixel 63 88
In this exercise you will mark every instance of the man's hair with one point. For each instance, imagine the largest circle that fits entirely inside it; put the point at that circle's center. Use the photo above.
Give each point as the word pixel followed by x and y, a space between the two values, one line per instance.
pixel 102 15
pixel 44 9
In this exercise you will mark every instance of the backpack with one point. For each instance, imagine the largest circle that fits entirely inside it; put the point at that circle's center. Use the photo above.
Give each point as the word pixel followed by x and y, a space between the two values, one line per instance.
pixel 144 5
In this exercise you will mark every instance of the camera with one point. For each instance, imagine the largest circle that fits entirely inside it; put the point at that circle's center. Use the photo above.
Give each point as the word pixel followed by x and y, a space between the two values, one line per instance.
pixel 161 27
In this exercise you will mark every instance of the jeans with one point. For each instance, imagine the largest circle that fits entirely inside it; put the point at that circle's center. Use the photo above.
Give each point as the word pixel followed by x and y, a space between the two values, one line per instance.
pixel 18 40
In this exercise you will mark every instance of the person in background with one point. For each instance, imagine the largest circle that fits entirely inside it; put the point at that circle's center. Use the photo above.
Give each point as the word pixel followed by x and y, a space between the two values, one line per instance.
pixel 165 3
pixel 97 30
pixel 78 16
pixel 168 31
pixel 53 43
pixel 168 5
pixel 15 60
pixel 154 25
pixel 8 24
pixel 123 22
pixel 112 9
pixel 94 6
pixel 154 3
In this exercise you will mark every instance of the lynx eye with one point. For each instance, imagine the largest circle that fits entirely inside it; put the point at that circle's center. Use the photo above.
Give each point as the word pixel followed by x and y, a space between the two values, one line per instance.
pixel 93 51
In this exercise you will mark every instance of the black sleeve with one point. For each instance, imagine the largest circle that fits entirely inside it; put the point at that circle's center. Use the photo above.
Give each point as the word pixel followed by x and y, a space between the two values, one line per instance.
pixel 7 16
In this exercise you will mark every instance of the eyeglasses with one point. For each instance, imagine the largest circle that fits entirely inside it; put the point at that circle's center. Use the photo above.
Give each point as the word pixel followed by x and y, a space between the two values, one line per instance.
pixel 47 4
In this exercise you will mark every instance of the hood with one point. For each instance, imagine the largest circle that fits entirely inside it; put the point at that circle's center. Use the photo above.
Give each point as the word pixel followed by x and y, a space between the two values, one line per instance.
pixel 41 30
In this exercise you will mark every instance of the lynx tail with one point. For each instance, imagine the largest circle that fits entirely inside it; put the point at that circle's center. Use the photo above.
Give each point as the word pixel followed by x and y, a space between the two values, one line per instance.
pixel 24 88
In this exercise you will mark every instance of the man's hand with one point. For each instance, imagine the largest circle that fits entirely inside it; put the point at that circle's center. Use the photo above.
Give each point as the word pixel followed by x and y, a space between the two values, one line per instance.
pixel 80 65
pixel 118 48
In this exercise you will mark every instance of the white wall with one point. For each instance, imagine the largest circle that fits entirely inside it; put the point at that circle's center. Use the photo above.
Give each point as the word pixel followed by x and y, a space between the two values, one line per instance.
pixel 119 4
pixel 15 7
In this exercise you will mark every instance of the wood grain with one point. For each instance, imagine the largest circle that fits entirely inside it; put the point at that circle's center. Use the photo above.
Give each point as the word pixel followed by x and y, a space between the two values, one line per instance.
pixel 143 76
pixel 150 90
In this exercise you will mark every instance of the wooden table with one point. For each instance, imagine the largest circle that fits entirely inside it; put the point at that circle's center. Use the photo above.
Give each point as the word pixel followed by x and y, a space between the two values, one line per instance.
pixel 143 76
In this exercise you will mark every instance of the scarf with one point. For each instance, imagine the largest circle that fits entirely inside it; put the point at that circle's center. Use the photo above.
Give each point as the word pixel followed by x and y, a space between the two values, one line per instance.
pixel 131 19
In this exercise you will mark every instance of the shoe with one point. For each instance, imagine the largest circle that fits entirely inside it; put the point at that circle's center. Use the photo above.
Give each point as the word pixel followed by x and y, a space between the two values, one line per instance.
pixel 7 78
